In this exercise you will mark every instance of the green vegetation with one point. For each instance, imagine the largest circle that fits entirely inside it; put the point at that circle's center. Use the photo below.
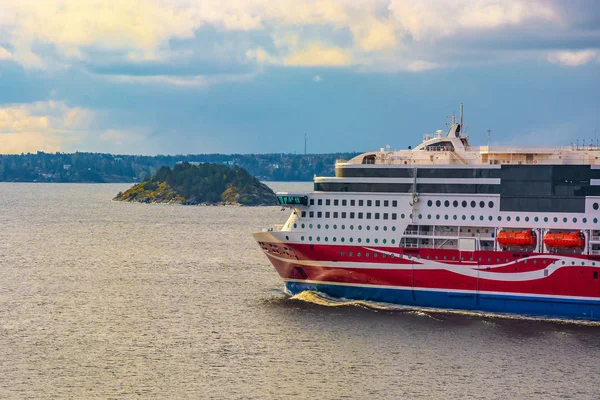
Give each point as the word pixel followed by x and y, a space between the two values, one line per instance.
pixel 202 184
pixel 97 167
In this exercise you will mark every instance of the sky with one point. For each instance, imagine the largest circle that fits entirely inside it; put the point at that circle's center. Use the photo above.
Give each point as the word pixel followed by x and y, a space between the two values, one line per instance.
pixel 255 76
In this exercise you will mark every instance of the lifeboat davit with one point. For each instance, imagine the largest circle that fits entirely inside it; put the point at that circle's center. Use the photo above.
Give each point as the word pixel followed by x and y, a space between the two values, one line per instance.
pixel 573 240
pixel 518 239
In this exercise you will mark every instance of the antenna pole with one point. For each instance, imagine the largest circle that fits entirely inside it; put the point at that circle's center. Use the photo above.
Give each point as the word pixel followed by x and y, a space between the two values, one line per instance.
pixel 489 131
pixel 461 113
pixel 305 144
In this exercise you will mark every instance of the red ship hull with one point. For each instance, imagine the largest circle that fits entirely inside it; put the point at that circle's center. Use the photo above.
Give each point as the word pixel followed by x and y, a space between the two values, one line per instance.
pixel 545 285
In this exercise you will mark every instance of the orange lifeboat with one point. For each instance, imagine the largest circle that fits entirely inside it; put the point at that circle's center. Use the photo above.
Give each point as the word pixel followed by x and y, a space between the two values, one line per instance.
pixel 520 239
pixel 571 240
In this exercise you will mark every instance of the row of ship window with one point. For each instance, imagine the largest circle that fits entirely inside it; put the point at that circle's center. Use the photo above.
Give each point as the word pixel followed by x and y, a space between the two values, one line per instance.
pixel 351 215
pixel 480 259
pixel 464 203
pixel 342 227
pixel 343 240
pixel 394 216
pixel 361 203
pixel 499 218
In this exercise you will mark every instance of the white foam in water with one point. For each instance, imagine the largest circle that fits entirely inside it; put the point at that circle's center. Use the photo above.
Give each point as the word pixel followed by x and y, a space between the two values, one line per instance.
pixel 322 299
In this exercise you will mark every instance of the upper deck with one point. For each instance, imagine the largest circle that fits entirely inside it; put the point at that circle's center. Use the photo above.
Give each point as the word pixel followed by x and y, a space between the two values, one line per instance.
pixel 453 149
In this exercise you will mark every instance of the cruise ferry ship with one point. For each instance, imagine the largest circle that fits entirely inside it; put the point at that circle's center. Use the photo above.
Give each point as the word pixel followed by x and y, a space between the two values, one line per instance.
pixel 451 226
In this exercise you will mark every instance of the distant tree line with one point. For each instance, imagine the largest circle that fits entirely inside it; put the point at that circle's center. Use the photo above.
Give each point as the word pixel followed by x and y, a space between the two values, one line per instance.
pixel 100 167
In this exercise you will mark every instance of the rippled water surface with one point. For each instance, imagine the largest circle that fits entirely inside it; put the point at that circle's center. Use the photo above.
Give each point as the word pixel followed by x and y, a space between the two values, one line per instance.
pixel 100 299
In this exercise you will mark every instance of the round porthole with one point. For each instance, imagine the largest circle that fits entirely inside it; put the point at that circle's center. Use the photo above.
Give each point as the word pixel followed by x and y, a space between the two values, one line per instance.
pixel 446 203
pixel 491 204
pixel 438 203
pixel 429 203
pixel 455 203
pixel 464 203
pixel 595 206
pixel 473 204
pixel 482 204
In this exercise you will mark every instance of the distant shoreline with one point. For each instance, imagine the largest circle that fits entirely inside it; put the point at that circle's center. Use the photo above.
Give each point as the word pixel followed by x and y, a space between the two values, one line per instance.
pixel 108 168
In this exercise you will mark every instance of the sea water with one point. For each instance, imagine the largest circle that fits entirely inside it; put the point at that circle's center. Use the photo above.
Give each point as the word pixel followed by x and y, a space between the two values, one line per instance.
pixel 101 299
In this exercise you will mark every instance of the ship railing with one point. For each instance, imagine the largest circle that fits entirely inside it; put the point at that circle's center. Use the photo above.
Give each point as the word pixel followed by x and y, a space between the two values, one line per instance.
pixel 275 228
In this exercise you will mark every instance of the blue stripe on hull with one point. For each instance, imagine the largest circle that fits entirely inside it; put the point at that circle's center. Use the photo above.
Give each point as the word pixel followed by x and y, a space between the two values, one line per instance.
pixel 505 304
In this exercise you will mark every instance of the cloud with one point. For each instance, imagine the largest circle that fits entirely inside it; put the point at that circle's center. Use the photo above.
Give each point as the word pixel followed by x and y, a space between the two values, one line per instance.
pixel 421 65
pixel 573 58
pixel 435 19
pixel 374 35
pixel 42 126
pixel 184 81
pixel 377 35
pixel 5 54
pixel 317 54
pixel 260 56
pixel 317 78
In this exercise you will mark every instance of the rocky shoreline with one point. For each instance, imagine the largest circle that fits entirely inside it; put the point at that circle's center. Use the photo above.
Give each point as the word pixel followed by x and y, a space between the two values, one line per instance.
pixel 204 185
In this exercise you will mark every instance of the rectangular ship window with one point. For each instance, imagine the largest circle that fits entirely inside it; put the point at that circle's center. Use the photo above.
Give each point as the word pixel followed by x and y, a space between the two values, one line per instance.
pixel 385 215
pixel 327 214
pixel 344 202
pixel 394 203
pixel 376 215
pixel 311 214
pixel 320 202
pixel 343 215
pixel 327 202
pixel 312 202
pixel 377 203
pixel 595 274
pixel 303 214
pixel 335 214
pixel 360 215
pixel 336 202
pixel 352 202
pixel 394 216
pixel 386 203
pixel 352 215
pixel 368 215
pixel 319 214
pixel 369 203
pixel 361 203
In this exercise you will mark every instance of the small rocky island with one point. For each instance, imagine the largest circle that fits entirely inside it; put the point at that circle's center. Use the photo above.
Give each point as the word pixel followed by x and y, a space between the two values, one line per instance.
pixel 209 184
